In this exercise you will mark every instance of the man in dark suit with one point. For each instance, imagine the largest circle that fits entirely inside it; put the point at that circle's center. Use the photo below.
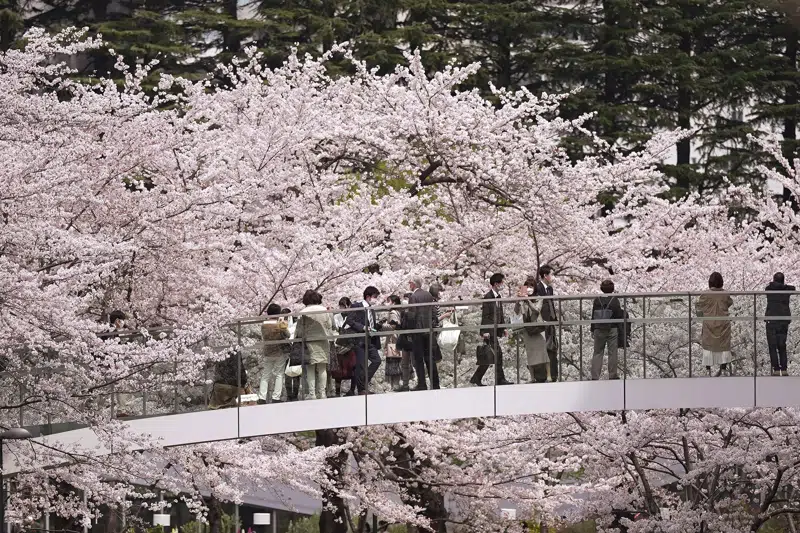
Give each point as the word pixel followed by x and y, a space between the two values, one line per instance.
pixel 544 287
pixel 365 322
pixel 421 318
pixel 492 320
pixel 778 330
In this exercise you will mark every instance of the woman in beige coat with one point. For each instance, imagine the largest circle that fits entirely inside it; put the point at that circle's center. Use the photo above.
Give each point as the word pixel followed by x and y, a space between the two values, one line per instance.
pixel 716 337
pixel 315 324
pixel 533 336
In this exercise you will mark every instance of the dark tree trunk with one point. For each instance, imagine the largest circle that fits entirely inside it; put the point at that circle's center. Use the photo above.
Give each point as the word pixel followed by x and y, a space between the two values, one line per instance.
pixel 790 121
pixel 420 494
pixel 214 515
pixel 685 105
pixel 332 519
pixel 230 35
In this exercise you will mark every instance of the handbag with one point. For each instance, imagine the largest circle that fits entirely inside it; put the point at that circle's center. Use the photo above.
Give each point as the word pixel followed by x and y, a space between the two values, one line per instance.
pixel 294 371
pixel 390 351
pixel 552 345
pixel 448 339
pixel 485 354
pixel 528 317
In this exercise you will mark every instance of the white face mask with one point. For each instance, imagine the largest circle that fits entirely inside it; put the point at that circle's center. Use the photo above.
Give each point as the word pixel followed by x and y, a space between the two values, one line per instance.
pixel 404 302
pixel 531 292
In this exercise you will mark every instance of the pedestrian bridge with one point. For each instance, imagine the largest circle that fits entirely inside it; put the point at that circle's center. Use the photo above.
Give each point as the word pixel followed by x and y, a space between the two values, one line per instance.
pixel 659 365
pixel 445 404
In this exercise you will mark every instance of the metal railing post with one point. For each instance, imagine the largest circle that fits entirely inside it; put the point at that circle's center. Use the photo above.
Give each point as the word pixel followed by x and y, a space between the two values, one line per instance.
pixel 624 338
pixel 644 337
pixel 691 341
pixel 304 368
pixel 580 338
pixel 455 351
pixel 430 346
pixel 205 377
pixel 755 348
pixel 238 376
pixel 365 391
pixel 175 385
pixel 559 348
pixel 21 402
pixel 496 344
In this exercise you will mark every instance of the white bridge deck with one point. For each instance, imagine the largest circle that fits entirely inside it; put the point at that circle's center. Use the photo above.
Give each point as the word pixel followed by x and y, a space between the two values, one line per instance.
pixel 446 404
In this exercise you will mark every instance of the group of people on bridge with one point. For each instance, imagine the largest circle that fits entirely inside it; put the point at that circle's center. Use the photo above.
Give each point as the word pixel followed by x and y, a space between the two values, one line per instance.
pixel 328 348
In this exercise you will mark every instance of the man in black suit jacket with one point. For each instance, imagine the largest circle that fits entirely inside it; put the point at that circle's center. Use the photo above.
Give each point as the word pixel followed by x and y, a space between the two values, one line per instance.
pixel 544 287
pixel 778 330
pixel 421 318
pixel 493 319
pixel 364 321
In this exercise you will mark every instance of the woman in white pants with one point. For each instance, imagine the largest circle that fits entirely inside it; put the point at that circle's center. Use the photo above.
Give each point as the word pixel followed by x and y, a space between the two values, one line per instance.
pixel 315 328
pixel 276 353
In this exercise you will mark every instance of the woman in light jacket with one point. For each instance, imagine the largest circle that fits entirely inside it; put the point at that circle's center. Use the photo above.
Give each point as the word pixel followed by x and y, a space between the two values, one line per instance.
pixel 533 336
pixel 716 337
pixel 318 328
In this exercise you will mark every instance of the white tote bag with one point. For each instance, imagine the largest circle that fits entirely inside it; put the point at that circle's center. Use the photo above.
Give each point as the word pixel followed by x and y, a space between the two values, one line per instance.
pixel 448 339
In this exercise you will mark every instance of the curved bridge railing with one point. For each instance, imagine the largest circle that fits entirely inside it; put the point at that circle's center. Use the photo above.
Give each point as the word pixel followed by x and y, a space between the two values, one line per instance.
pixel 660 366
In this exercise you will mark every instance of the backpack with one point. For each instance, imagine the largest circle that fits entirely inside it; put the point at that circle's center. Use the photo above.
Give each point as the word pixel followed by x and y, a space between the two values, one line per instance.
pixel 604 313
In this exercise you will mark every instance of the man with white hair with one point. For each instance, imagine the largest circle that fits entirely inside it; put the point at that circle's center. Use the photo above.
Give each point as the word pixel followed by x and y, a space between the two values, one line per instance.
pixel 421 318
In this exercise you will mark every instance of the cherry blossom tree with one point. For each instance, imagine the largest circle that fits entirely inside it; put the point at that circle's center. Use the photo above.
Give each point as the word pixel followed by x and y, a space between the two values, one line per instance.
pixel 197 203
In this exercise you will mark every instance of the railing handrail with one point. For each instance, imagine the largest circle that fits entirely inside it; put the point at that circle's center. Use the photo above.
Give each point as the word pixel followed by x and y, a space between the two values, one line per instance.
pixel 253 320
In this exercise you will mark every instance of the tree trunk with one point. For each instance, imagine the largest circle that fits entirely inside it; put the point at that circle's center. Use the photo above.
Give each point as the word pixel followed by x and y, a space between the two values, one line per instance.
pixel 790 121
pixel 332 519
pixel 419 493
pixel 214 515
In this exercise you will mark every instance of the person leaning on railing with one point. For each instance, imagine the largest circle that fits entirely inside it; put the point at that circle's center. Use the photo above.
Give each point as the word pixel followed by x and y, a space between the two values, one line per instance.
pixel 716 336
pixel 778 330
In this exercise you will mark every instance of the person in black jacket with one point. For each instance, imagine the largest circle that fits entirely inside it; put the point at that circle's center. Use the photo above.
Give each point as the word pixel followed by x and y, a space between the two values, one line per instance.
pixel 493 321
pixel 365 321
pixel 606 335
pixel 544 287
pixel 778 330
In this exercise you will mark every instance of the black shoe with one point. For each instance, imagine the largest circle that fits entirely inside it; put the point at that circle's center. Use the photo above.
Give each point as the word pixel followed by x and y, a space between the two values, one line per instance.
pixel 261 402
pixel 477 383
pixel 276 401
pixel 506 382
pixel 418 388
pixel 402 388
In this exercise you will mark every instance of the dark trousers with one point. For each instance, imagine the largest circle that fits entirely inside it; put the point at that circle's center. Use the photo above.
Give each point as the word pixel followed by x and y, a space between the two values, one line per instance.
pixel 777 333
pixel 424 364
pixel 292 386
pixel 499 374
pixel 362 355
pixel 550 332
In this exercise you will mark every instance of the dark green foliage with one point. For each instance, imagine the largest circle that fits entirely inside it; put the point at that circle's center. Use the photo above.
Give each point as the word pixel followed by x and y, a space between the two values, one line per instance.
pixel 723 68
